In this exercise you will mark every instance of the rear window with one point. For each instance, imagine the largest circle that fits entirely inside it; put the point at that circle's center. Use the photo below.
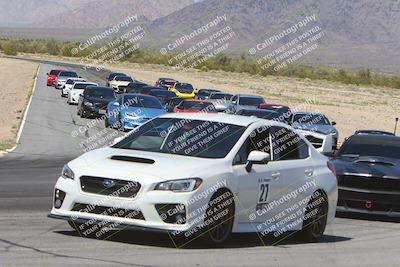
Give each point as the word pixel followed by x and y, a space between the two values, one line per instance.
pixel 55 72
pixel 192 105
pixel 251 101
pixel 68 74
pixel 221 96
pixel 82 85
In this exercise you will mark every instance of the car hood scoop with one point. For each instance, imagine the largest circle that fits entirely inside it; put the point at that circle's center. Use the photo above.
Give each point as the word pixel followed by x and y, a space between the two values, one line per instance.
pixel 133 159
pixel 377 161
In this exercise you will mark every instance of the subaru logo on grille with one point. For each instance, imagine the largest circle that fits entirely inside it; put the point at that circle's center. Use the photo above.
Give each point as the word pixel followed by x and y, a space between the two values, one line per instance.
pixel 108 183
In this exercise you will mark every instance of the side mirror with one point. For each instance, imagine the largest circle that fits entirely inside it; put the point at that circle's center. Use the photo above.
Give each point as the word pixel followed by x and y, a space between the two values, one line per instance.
pixel 47 73
pixel 80 77
pixel 116 104
pixel 257 157
pixel 80 95
pixel 333 122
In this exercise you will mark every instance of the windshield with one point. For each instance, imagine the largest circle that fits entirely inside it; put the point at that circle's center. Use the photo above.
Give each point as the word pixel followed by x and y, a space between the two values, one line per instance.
pixel 194 105
pixel 194 138
pixel 221 96
pixel 263 114
pixel 169 83
pixel 141 101
pixel 82 85
pixel 55 72
pixel 376 148
pixel 101 93
pixel 163 94
pixel 250 101
pixel 123 79
pixel 310 118
pixel 68 74
pixel 112 75
pixel 184 88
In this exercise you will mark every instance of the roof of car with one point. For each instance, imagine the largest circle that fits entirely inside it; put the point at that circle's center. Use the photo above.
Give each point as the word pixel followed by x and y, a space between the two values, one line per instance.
pixel 305 113
pixel 217 117
pixel 99 88
pixel 373 138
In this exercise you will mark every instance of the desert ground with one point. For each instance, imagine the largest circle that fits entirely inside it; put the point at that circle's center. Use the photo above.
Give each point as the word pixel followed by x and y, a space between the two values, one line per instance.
pixel 352 107
pixel 16 79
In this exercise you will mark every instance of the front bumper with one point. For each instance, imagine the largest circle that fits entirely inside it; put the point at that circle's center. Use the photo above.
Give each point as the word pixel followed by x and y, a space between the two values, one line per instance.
pixel 94 110
pixel 145 202
pixel 186 96
pixel 369 202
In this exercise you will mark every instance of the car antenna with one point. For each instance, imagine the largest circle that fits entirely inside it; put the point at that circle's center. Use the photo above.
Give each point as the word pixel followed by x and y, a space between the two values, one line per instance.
pixel 395 126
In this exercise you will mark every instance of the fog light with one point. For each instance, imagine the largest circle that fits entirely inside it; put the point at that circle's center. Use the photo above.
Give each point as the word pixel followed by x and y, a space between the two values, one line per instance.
pixel 172 213
pixel 59 197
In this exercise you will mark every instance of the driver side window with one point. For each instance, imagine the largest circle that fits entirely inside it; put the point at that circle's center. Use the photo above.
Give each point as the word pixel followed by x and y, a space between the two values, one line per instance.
pixel 259 140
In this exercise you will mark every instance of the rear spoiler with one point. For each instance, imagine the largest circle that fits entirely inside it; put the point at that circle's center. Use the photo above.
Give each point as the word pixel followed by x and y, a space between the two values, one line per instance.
pixel 323 143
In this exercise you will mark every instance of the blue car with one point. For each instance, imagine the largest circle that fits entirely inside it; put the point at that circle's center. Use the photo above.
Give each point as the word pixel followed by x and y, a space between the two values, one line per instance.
pixel 132 110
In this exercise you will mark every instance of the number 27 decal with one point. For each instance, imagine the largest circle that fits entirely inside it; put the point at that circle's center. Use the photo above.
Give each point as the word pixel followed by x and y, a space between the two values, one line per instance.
pixel 263 192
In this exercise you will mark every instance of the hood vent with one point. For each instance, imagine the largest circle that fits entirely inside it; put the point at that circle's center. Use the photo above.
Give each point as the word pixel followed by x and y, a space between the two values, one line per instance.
pixel 133 159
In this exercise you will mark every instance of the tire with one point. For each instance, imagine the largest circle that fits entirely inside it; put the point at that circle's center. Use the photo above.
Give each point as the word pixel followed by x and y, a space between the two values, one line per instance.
pixel 220 217
pixel 106 124
pixel 316 216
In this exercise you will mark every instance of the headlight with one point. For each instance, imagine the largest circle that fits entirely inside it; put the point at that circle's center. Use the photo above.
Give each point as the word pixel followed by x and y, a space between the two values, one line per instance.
pixel 67 173
pixel 184 185
pixel 132 116
pixel 86 103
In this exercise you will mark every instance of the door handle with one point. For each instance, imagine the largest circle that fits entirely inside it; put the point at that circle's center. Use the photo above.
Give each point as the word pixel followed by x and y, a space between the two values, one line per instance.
pixel 309 172
pixel 275 175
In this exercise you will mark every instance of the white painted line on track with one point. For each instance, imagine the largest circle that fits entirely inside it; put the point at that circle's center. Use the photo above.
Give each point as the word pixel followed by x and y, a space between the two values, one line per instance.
pixel 21 127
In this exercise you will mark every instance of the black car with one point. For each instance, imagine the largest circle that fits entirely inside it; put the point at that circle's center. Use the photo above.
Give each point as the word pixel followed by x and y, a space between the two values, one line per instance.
pixel 368 173
pixel 94 100
pixel 163 95
pixel 147 89
pixel 204 94
pixel 165 83
pixel 112 76
pixel 172 103
pixel 135 87
pixel 373 132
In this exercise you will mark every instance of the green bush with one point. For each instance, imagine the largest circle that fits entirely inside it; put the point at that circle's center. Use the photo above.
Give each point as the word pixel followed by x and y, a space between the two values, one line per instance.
pixel 10 49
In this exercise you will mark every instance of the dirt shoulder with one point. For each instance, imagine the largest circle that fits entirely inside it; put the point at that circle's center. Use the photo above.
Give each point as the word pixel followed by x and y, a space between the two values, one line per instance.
pixel 16 79
pixel 352 107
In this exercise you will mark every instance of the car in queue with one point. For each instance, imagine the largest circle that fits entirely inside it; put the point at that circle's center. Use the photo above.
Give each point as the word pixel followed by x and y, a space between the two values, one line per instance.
pixel 94 100
pixel 62 78
pixel 315 122
pixel 244 101
pixel 242 167
pixel 172 103
pixel 368 172
pixel 51 76
pixel 132 110
pixel 204 94
pixel 77 90
pixel 119 83
pixel 165 83
pixel 220 100
pixel 262 114
pixel 112 76
pixel 183 90
pixel 195 106
pixel 163 95
pixel 68 86
pixel 135 87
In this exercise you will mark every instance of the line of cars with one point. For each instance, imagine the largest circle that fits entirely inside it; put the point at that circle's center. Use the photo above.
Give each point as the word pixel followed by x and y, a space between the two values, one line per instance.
pixel 232 171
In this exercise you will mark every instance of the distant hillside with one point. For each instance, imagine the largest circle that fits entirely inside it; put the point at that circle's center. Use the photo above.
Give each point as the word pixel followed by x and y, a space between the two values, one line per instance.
pixel 357 32
pixel 103 13
pixel 27 12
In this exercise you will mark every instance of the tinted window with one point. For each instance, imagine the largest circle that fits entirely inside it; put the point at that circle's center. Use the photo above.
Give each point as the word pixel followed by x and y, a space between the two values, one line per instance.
pixel 259 140
pixel 112 75
pixel 250 101
pixel 193 138
pixel 100 93
pixel 310 118
pixel 68 74
pixel 141 101
pixel 55 72
pixel 287 145
pixel 263 114
pixel 123 79
pixel 184 88
pixel 193 105
pixel 221 96
pixel 82 85
pixel 370 147
pixel 162 94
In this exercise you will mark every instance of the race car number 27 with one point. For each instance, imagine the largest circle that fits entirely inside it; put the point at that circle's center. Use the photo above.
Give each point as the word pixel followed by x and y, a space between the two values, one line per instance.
pixel 263 193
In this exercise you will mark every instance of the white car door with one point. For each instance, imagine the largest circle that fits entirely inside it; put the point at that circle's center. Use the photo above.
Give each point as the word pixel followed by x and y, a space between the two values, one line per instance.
pixel 255 187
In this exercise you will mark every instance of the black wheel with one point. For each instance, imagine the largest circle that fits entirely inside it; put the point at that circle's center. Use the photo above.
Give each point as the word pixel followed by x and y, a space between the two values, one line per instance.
pixel 220 216
pixel 315 218
pixel 106 124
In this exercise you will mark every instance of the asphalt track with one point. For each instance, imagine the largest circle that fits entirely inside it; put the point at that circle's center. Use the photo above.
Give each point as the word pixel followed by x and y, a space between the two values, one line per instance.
pixel 29 238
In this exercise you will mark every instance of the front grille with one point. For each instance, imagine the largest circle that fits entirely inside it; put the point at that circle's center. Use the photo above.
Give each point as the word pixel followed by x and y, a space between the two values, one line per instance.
pixel 109 187
pixel 370 183
pixel 316 142
pixel 109 211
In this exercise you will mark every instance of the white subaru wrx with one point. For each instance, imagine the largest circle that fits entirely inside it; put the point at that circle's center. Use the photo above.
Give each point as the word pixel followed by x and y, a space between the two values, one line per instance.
pixel 207 174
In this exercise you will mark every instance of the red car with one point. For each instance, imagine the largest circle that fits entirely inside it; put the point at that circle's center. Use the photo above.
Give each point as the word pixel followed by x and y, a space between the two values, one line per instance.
pixel 165 83
pixel 51 77
pixel 195 106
